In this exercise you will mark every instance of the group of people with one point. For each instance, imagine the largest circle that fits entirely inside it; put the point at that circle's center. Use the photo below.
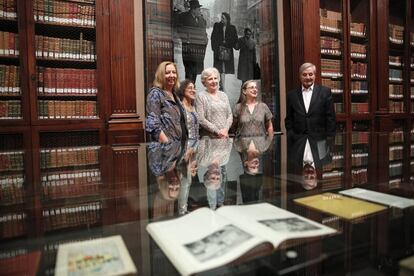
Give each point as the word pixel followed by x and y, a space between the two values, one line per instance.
pixel 176 112
pixel 192 30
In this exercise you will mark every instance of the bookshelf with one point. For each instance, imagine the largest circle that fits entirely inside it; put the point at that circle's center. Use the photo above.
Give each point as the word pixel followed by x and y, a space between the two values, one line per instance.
pixel 11 100
pixel 364 52
pixel 13 186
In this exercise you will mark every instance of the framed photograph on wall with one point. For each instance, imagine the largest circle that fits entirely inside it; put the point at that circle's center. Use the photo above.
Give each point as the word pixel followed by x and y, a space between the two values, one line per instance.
pixel 238 37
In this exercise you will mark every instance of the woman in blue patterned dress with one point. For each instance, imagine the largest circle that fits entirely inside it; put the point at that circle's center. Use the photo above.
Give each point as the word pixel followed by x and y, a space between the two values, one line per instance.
pixel 165 115
pixel 187 95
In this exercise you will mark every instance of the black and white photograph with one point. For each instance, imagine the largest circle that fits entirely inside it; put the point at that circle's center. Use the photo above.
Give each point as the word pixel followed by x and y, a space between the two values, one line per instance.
pixel 218 243
pixel 222 34
pixel 292 224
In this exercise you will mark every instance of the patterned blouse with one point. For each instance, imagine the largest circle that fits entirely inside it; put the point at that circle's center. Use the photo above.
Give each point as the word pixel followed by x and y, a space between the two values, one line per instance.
pixel 215 113
pixel 163 114
pixel 251 124
pixel 193 124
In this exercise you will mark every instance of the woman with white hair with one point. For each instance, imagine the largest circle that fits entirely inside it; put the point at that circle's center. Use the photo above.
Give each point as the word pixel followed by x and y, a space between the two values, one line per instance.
pixel 213 106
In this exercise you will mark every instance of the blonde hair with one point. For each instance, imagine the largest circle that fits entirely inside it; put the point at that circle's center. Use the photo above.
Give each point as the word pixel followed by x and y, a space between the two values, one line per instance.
pixel 159 80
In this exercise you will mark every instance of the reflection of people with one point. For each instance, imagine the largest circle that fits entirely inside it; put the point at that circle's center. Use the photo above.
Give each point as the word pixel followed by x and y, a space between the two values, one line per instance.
pixel 224 34
pixel 310 107
pixel 192 31
pixel 189 166
pixel 307 155
pixel 213 106
pixel 187 95
pixel 251 150
pixel 247 56
pixel 165 116
pixel 163 160
pixel 213 155
pixel 251 116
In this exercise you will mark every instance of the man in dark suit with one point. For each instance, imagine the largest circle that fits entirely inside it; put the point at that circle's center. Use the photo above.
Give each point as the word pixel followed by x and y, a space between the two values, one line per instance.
pixel 192 30
pixel 310 107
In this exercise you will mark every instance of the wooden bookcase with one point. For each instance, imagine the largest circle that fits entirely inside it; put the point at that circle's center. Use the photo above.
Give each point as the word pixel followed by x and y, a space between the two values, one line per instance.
pixel 363 50
pixel 67 92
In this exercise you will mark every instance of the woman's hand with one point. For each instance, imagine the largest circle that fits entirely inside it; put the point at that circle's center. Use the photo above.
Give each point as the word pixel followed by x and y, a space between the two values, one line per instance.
pixel 163 138
pixel 223 133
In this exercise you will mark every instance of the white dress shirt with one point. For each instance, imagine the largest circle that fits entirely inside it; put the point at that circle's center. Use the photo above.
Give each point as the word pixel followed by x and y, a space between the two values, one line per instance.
pixel 307 96
pixel 307 155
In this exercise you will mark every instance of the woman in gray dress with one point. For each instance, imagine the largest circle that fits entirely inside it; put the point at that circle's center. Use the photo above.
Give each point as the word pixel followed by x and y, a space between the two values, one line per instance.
pixel 251 116
pixel 213 106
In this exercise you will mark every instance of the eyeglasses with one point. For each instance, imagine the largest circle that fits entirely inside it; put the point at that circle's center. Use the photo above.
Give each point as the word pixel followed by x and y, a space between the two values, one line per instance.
pixel 251 87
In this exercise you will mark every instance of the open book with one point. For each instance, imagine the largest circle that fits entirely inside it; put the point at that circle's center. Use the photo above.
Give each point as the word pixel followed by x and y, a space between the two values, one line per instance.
pixel 206 239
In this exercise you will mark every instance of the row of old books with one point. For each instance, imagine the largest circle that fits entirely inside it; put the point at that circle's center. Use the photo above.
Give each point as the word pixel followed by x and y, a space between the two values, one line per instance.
pixel 412 77
pixel 8 9
pixel 13 225
pixel 358 29
pixel 9 79
pixel 12 189
pixel 11 109
pixel 64 48
pixel 335 85
pixel 359 87
pixel 9 44
pixel 359 107
pixel 359 70
pixel 72 216
pixel 65 157
pixel 66 81
pixel 396 91
pixel 358 50
pixel 330 45
pixel 330 21
pixel 412 92
pixel 359 158
pixel 359 176
pixel 397 136
pixel 395 75
pixel 68 184
pixel 160 48
pixel 337 163
pixel 11 161
pixel 396 107
pixel 395 60
pixel 394 183
pixel 412 150
pixel 331 68
pixel 68 13
pixel 360 137
pixel 396 153
pixel 395 169
pixel 339 107
pixel 332 180
pixel 50 109
pixel 396 33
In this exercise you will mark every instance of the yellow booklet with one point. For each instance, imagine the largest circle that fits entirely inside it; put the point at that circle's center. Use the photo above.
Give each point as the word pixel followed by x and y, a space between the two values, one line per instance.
pixel 341 206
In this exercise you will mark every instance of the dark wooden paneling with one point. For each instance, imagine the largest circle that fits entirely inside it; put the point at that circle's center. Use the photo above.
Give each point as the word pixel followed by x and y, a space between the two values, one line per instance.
pixel 123 94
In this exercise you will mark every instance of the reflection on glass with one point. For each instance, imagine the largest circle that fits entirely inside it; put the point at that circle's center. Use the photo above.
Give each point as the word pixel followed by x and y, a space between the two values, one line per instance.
pixel 251 150
pixel 212 158
pixel 306 156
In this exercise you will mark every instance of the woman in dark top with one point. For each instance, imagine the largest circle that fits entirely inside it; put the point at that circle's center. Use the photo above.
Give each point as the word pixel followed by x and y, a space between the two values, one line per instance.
pixel 251 116
pixel 165 115
pixel 224 35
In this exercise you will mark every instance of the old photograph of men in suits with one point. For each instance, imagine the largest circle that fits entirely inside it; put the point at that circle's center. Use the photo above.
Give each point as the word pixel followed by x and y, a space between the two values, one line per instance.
pixel 217 33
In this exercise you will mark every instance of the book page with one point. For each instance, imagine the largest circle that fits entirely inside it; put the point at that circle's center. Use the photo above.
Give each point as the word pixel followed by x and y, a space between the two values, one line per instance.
pixel 105 256
pixel 273 223
pixel 341 206
pixel 382 198
pixel 201 240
